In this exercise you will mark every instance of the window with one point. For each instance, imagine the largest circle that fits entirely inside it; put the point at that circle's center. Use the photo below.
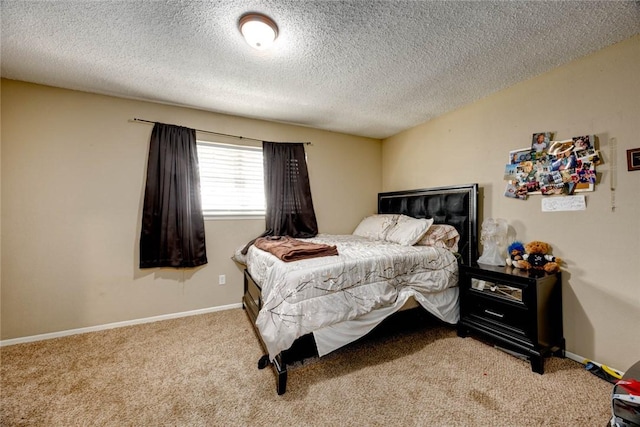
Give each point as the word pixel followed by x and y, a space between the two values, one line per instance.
pixel 231 180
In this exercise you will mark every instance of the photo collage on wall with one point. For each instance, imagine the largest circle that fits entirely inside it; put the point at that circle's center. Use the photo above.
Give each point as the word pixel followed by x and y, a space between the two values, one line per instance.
pixel 552 167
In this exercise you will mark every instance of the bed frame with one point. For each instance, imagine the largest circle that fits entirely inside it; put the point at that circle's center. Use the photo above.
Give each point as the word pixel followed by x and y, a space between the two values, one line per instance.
pixel 455 205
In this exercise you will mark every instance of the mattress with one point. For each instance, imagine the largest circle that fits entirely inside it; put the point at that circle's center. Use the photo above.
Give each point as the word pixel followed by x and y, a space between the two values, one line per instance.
pixel 339 298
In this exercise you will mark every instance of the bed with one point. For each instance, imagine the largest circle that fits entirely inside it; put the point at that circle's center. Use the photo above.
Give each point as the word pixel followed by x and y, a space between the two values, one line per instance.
pixel 311 307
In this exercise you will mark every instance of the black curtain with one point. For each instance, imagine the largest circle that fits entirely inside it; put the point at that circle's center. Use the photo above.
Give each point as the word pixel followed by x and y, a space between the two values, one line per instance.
pixel 287 191
pixel 172 221
pixel 289 210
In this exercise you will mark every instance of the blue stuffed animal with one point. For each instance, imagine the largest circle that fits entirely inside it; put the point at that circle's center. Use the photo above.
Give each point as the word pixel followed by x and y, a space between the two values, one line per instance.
pixel 516 255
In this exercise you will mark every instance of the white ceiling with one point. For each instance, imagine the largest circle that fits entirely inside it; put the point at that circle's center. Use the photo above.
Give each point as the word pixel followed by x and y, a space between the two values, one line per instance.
pixel 370 68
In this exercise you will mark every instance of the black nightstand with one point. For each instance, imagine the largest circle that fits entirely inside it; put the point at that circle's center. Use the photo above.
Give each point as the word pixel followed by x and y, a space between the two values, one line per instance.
pixel 520 310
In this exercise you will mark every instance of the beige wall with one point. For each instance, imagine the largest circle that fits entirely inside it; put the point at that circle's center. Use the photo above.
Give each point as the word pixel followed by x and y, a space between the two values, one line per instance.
pixel 73 169
pixel 599 94
pixel 72 181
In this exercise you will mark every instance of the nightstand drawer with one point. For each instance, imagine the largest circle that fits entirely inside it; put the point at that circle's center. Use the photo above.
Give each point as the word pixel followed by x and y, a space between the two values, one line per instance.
pixel 495 289
pixel 503 315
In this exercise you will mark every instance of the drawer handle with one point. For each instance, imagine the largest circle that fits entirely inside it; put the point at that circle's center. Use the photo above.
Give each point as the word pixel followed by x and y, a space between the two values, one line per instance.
pixel 494 313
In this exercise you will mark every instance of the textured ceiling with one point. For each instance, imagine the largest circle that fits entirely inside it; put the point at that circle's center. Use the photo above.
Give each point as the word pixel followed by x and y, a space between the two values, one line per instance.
pixel 370 68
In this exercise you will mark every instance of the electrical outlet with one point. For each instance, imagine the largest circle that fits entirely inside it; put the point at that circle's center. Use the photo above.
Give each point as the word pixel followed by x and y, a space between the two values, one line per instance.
pixel 222 279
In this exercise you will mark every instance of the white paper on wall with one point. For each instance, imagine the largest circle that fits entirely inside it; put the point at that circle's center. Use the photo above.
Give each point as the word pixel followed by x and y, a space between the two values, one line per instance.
pixel 567 203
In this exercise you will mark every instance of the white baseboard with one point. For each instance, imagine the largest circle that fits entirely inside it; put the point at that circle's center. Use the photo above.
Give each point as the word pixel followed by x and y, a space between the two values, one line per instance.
pixel 575 357
pixel 96 328
pixel 584 360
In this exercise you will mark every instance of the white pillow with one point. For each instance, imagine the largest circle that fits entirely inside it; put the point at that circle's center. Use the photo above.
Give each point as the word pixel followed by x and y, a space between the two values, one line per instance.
pixel 239 257
pixel 375 227
pixel 407 230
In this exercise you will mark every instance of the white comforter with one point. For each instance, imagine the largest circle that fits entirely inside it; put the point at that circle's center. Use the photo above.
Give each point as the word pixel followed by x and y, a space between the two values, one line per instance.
pixel 305 296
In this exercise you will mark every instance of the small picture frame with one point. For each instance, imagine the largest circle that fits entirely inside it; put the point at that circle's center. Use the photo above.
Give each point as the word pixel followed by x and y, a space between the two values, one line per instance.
pixel 633 159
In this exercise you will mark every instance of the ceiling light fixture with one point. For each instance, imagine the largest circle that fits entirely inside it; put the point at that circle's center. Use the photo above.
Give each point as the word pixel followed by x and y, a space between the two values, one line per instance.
pixel 258 30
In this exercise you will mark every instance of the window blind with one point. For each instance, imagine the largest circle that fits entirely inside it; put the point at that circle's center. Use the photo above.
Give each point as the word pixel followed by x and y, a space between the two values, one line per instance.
pixel 231 179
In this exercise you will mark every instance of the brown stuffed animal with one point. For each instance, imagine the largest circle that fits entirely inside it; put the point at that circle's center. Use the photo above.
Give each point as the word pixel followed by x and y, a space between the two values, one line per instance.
pixel 537 257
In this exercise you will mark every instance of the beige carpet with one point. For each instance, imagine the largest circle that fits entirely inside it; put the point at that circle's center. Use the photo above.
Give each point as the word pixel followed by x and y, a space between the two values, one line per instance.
pixel 202 371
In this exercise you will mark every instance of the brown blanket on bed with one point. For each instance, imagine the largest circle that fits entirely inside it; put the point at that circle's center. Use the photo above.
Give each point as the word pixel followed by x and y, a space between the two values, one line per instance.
pixel 289 249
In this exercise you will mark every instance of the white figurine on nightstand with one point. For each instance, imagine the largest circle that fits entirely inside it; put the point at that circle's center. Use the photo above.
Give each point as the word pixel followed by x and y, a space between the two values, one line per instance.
pixel 494 241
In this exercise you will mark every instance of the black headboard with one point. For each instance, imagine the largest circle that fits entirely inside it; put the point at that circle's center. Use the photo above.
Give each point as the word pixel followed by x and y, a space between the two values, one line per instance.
pixel 456 205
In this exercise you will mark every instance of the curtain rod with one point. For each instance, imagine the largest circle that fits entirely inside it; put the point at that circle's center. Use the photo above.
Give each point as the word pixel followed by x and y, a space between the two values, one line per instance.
pixel 211 132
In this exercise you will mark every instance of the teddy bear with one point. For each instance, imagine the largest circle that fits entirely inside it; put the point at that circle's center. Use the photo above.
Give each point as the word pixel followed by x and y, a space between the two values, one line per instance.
pixel 537 257
pixel 515 251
